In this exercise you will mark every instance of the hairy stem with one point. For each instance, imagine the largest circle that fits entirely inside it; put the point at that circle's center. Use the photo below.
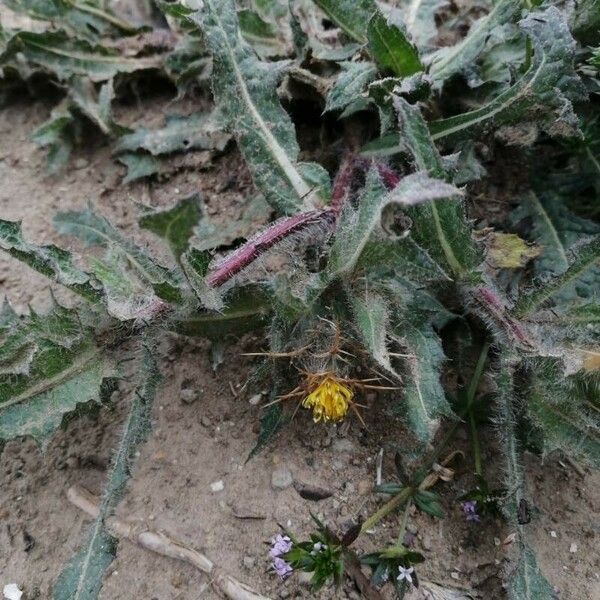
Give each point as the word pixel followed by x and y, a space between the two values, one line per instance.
pixel 255 247
pixel 402 496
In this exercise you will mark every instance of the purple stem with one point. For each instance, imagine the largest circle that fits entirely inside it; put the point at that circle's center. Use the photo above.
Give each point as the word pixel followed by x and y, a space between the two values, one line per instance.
pixel 265 240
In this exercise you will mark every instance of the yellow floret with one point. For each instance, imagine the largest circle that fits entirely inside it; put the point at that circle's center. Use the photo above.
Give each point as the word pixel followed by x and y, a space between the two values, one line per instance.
pixel 329 401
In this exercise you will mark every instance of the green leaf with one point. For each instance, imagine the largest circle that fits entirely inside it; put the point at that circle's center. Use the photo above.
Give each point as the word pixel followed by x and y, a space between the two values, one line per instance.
pixel 419 19
pixel 56 135
pixel 138 166
pixel 97 231
pixel 175 225
pixel 261 34
pixel 271 422
pixel 352 16
pixel 350 85
pixel 54 367
pixel 65 56
pixel 558 232
pixel 94 105
pixel 356 227
pixel 526 582
pixel 245 90
pixel 440 227
pixel 199 131
pixel 82 577
pixel 584 264
pixel 247 309
pixel 585 21
pixel 566 418
pixel 85 18
pixel 51 261
pixel 390 47
pixel 371 318
pixel 447 62
pixel 423 395
pixel 543 94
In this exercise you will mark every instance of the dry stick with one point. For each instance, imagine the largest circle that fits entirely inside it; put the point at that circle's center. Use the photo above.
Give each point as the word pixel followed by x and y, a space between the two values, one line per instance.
pixel 161 543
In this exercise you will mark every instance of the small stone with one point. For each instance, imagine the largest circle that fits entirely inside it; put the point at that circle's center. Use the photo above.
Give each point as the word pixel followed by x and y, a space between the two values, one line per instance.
pixel 188 396
pixel 249 562
pixel 364 487
pixel 342 446
pixel 553 534
pixel 217 486
pixel 455 575
pixel 255 400
pixel 573 548
pixel 205 421
pixel 426 542
pixel 304 578
pixel 281 478
pixel 284 593
pixel 81 163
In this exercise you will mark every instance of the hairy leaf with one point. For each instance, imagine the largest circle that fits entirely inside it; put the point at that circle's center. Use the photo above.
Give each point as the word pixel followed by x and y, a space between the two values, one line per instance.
pixel 352 16
pixel 51 261
pixel 566 417
pixel 419 19
pixel 390 47
pixel 447 62
pixel 549 83
pixel 439 227
pixel 356 227
pixel 200 131
pixel 175 225
pixel 65 56
pixel 245 91
pixel 423 395
pixel 97 231
pixel 82 578
pixel 583 273
pixel 246 310
pixel 371 318
pixel 55 368
pixel 56 135
pixel 350 85
pixel 526 582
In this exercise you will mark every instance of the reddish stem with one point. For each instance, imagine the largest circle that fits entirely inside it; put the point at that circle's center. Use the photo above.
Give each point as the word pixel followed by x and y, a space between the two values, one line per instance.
pixel 242 257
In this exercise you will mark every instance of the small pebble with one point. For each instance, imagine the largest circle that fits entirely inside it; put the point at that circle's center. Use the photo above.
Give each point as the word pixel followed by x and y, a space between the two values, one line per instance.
pixel 573 548
pixel 553 534
pixel 187 395
pixel 205 421
pixel 217 486
pixel 281 478
pixel 81 163
pixel 249 562
pixel 255 400
pixel 455 575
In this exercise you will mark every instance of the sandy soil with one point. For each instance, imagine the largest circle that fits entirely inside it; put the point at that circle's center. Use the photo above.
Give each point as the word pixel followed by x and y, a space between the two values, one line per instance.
pixel 194 445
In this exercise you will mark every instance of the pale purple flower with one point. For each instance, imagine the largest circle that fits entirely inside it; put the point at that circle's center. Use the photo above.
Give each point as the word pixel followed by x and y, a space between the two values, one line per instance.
pixel 280 544
pixel 281 568
pixel 469 508
pixel 405 574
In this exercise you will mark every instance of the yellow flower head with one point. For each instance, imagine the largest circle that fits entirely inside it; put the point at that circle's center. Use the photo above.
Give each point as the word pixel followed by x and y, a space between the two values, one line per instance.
pixel 329 400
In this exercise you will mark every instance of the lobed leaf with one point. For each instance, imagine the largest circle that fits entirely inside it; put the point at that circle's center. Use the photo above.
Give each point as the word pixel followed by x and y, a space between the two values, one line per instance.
pixel 352 16
pixel 175 225
pixel 97 231
pixel 51 261
pixel 439 227
pixel 82 577
pixel 448 62
pixel 65 56
pixel 199 131
pixel 356 227
pixel 245 91
pixel 390 47
pixel 549 83
pixel 56 367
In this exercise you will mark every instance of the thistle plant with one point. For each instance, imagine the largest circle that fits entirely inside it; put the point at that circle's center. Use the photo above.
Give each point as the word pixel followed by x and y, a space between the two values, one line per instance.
pixel 385 245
